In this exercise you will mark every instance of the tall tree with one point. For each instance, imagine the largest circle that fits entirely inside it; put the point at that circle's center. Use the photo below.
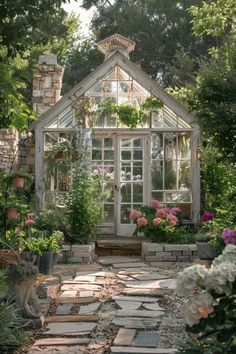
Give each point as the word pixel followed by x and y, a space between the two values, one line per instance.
pixel 28 28
pixel 161 29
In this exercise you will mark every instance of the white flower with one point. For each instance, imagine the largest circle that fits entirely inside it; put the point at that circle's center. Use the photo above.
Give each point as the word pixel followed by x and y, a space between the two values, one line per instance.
pixel 197 307
pixel 191 278
pixel 221 277
pixel 228 254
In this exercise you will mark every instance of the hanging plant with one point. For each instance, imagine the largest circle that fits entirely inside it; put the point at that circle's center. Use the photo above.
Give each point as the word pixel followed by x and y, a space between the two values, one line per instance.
pixel 130 115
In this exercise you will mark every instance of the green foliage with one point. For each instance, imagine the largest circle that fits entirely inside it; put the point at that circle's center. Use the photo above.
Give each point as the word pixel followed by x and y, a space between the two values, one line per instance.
pixel 52 219
pixel 83 205
pixel 11 336
pixel 43 244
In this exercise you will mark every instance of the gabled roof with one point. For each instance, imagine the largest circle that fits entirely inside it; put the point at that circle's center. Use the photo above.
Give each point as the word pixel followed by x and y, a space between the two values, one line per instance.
pixel 134 71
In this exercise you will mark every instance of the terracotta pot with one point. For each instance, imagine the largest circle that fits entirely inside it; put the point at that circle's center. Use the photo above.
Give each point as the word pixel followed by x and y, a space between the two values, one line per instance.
pixel 18 182
pixel 59 154
pixel 12 213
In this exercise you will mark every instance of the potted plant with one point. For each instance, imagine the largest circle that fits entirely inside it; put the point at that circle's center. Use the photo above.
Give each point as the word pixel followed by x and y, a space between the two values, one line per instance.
pixel 12 207
pixel 18 179
pixel 209 241
pixel 45 248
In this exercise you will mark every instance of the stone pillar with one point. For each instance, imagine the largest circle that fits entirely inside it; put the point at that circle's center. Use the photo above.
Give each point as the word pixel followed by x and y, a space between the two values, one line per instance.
pixel 9 139
pixel 47 82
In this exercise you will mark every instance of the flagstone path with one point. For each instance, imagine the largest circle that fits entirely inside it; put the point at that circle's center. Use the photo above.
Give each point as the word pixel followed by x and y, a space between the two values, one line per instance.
pixel 117 305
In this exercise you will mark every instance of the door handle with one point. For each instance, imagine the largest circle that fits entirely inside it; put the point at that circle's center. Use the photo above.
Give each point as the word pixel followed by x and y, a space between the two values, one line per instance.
pixel 117 188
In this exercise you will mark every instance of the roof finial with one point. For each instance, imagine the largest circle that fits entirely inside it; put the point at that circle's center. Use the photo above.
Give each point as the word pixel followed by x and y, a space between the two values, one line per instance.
pixel 116 42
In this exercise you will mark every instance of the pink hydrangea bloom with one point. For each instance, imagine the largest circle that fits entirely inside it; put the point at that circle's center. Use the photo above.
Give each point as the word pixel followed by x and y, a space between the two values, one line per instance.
pixel 172 217
pixel 157 221
pixel 155 204
pixel 135 214
pixel 161 213
pixel 142 221
pixel 172 222
pixel 175 211
pixel 30 222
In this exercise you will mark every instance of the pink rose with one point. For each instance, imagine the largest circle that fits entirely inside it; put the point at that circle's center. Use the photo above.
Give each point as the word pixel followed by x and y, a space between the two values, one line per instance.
pixel 157 221
pixel 142 221
pixel 155 204
pixel 30 216
pixel 135 214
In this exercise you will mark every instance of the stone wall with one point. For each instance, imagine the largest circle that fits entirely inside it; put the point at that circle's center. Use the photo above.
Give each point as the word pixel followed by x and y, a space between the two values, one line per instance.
pixel 47 83
pixel 9 139
pixel 79 253
pixel 156 252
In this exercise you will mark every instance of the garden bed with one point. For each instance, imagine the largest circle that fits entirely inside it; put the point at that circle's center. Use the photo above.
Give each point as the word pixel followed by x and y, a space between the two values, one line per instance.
pixel 155 252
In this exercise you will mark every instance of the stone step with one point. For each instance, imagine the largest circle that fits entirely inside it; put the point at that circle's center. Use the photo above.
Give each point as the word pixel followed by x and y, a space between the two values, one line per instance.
pixel 68 328
pixel 60 341
pixel 133 350
pixel 124 336
pixel 72 318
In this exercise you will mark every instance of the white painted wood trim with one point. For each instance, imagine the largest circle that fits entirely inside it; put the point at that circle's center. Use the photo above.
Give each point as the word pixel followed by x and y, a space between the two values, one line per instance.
pixel 196 189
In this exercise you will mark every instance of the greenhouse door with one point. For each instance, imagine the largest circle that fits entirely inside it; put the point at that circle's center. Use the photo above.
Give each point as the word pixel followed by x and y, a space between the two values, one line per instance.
pixel 131 179
pixel 122 162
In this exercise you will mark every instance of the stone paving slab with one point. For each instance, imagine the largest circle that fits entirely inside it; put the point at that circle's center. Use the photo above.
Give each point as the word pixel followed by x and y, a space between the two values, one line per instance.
pixel 55 328
pixel 86 294
pixel 147 339
pixel 85 278
pixel 64 309
pixel 117 259
pixel 124 336
pixel 128 305
pixel 149 276
pixel 72 318
pixel 91 273
pixel 68 294
pixel 61 341
pixel 80 286
pixel 151 284
pixel 139 313
pixel 134 298
pixel 132 350
pixel 136 322
pixel 131 265
pixel 58 350
pixel 89 309
pixel 143 291
pixel 153 307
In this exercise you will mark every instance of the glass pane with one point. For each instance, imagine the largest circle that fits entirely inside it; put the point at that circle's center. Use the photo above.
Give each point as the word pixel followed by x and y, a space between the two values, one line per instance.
pixel 110 121
pixel 184 197
pixel 170 197
pixel 108 155
pixel 170 175
pixel 157 140
pixel 125 173
pixel 125 155
pixel 108 142
pixel 184 146
pixel 126 193
pixel 138 192
pixel 138 155
pixel 170 146
pixel 157 154
pixel 138 143
pixel 158 196
pixel 157 174
pixel 125 211
pixel 96 155
pixel 137 171
pixel 125 143
pixel 184 175
pixel 157 119
pixel 108 213
pixel 109 191
pixel 97 142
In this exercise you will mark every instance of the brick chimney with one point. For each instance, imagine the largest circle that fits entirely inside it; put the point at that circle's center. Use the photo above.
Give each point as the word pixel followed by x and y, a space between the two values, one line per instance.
pixel 47 83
